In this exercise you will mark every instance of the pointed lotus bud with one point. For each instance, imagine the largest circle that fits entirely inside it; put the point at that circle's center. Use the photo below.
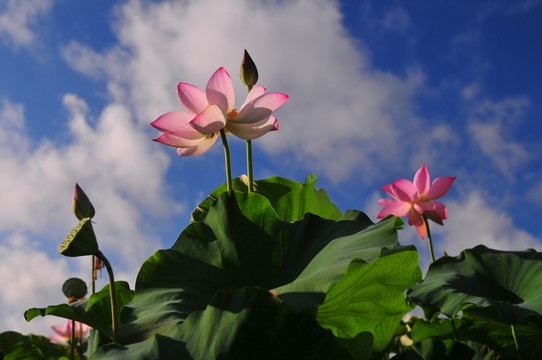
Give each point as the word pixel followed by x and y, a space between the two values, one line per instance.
pixel 82 207
pixel 74 289
pixel 249 72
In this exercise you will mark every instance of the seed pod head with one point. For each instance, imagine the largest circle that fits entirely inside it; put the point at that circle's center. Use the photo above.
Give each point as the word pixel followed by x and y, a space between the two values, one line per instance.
pixel 74 288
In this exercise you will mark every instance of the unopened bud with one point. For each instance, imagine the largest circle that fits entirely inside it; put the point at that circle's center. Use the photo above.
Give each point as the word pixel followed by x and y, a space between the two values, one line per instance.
pixel 249 72
pixel 82 207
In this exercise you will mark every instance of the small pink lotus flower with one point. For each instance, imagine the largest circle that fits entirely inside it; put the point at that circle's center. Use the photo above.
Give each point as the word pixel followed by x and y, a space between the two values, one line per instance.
pixel 414 199
pixel 212 110
pixel 64 333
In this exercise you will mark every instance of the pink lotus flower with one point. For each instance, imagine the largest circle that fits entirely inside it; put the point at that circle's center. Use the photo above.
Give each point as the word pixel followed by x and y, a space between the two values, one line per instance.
pixel 64 333
pixel 414 199
pixel 212 110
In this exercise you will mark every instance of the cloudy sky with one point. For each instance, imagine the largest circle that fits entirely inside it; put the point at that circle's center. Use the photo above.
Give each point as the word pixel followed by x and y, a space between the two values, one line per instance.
pixel 377 89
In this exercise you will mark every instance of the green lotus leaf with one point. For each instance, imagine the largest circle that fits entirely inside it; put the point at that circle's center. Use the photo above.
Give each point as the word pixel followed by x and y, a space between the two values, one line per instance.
pixel 484 325
pixel 509 281
pixel 95 312
pixel 242 242
pixel 247 323
pixel 18 346
pixel 290 199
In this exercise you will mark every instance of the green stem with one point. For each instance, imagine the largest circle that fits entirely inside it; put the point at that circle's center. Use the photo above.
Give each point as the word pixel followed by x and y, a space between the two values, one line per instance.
pixel 72 350
pixel 112 293
pixel 429 239
pixel 226 158
pixel 249 167
pixel 249 160
pixel 515 340
pixel 93 286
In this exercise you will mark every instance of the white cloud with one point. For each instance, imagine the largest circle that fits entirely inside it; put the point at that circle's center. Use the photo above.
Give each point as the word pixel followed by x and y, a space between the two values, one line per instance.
pixel 17 17
pixel 340 106
pixel 472 221
pixel 491 126
pixel 118 167
pixel 396 19
pixel 29 278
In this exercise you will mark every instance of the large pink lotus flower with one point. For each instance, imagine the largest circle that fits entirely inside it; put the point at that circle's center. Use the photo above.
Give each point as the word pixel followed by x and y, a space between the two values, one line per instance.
pixel 64 333
pixel 415 199
pixel 212 110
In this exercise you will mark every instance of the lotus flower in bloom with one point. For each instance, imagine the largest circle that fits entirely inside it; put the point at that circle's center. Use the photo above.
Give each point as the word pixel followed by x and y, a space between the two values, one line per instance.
pixel 64 333
pixel 195 131
pixel 415 199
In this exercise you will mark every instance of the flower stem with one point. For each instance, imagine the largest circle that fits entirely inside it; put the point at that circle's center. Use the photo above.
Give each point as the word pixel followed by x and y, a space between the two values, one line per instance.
pixel 249 167
pixel 249 160
pixel 72 350
pixel 112 293
pixel 429 239
pixel 226 158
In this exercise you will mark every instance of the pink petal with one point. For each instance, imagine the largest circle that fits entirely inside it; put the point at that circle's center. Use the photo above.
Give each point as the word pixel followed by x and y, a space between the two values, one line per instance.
pixel 422 180
pixel 404 190
pixel 256 92
pixel 198 149
pixel 181 138
pixel 254 130
pixel 439 187
pixel 220 90
pixel 192 97
pixel 392 207
pixel 261 107
pixel 435 211
pixel 388 188
pixel 210 120
pixel 59 339
pixel 171 121
pixel 65 330
pixel 421 229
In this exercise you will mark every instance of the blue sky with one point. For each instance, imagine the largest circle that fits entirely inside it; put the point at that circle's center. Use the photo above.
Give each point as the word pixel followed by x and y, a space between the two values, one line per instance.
pixel 376 90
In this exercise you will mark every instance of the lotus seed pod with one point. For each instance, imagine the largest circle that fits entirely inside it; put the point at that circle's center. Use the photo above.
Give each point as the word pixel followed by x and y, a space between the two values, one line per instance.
pixel 74 287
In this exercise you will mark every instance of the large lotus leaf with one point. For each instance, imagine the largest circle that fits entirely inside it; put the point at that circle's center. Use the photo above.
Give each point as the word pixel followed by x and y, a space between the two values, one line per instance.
pixel 157 347
pixel 290 199
pixel 484 325
pixel 247 323
pixel 379 292
pixel 95 312
pixel 18 346
pixel 509 281
pixel 251 323
pixel 242 242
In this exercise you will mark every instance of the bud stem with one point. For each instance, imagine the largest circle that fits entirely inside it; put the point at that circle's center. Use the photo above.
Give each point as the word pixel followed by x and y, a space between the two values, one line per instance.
pixel 112 293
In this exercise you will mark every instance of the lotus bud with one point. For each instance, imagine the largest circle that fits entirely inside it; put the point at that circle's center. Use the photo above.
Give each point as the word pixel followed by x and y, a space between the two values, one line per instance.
pixel 249 72
pixel 82 207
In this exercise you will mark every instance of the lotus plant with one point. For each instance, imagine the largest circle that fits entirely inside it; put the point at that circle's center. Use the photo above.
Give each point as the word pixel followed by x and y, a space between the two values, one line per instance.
pixel 415 201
